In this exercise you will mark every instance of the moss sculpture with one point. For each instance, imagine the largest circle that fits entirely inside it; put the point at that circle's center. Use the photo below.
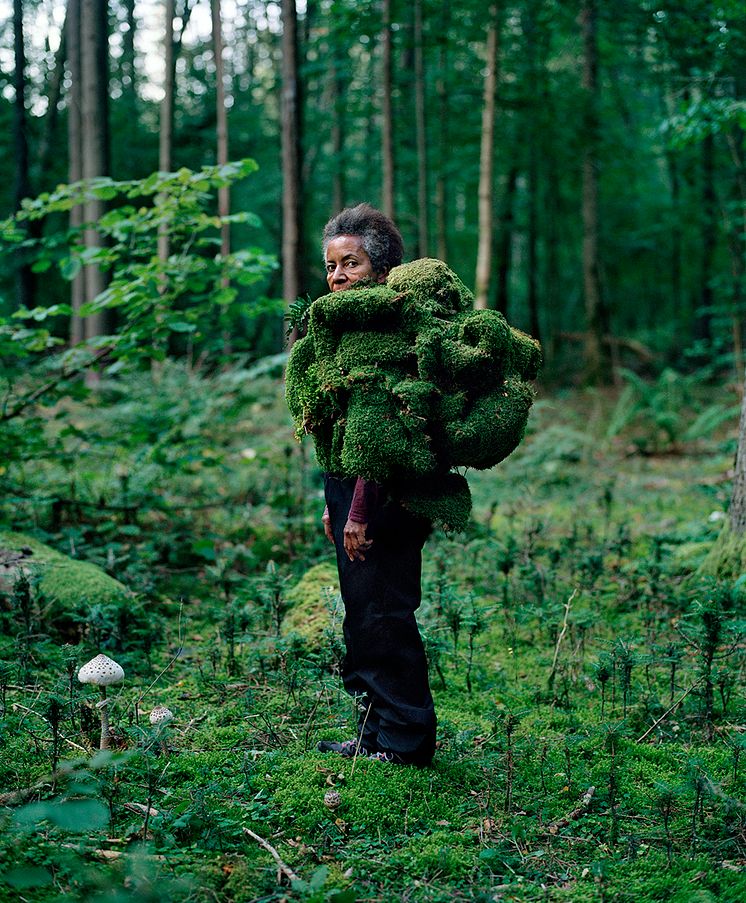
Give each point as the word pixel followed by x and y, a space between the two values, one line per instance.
pixel 402 382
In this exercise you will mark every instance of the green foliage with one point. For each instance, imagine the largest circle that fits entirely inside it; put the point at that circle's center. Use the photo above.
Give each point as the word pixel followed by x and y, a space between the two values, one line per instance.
pixel 403 382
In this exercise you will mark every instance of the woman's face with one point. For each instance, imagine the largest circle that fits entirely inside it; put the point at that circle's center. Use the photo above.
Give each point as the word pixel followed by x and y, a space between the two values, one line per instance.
pixel 348 263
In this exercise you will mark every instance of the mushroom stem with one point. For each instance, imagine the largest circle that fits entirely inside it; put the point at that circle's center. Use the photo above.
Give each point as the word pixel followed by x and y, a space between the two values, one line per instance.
pixel 104 707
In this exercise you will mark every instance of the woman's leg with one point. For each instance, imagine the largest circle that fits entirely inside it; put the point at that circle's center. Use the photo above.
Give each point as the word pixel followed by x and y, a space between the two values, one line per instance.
pixel 385 661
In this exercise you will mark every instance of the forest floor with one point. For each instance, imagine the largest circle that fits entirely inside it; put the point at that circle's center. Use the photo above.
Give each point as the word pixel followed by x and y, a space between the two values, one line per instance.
pixel 589 686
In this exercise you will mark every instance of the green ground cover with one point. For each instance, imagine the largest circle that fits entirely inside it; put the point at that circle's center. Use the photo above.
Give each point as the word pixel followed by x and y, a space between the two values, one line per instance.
pixel 572 647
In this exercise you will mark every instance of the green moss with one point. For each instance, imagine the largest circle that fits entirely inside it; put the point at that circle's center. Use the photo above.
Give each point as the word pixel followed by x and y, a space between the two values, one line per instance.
pixel 402 382
pixel 65 586
pixel 308 602
pixel 445 501
pixel 493 427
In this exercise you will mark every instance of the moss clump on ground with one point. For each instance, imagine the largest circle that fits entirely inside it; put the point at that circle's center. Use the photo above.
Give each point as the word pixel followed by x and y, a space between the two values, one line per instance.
pixel 309 602
pixel 63 587
pixel 402 382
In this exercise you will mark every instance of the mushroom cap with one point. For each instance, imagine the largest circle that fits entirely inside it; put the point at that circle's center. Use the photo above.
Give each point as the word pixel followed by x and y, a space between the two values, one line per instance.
pixel 101 671
pixel 161 715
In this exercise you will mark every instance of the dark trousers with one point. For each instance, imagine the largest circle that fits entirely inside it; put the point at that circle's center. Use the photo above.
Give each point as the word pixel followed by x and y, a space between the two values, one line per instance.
pixel 385 665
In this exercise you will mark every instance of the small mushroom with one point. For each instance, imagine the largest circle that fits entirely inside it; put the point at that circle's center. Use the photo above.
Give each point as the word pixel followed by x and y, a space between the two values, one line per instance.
pixel 159 718
pixel 161 715
pixel 102 671
pixel 332 799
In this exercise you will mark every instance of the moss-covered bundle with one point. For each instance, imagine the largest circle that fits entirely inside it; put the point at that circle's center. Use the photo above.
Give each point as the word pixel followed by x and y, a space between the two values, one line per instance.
pixel 402 382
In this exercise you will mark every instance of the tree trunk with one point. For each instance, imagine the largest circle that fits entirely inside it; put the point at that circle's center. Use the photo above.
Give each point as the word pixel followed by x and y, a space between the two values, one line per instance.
pixel 596 358
pixel 166 132
pixel 129 72
pixel 75 155
pixel 387 123
pixel 94 140
pixel 703 316
pixel 24 276
pixel 441 193
pixel 486 166
pixel 47 144
pixel 292 208
pixel 222 124
pixel 423 221
pixel 505 243
pixel 338 83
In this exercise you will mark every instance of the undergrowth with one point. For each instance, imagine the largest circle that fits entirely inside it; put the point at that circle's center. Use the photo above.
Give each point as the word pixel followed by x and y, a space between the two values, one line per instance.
pixel 589 686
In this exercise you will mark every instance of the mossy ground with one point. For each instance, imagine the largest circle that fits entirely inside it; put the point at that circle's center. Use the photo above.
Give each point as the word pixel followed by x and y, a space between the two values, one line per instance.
pixel 528 718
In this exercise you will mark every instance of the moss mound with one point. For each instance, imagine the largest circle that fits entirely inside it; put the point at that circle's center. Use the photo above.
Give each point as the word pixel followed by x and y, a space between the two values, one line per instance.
pixel 308 602
pixel 64 588
pixel 402 382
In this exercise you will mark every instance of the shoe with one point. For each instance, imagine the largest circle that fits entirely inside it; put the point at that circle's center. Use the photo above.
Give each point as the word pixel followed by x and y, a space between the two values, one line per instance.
pixel 347 748
pixel 389 757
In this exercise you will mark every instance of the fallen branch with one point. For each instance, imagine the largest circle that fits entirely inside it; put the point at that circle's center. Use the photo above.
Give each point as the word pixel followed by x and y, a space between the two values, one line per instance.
pixel 282 866
pixel 665 715
pixel 563 631
pixel 641 351
pixel 579 810
pixel 34 396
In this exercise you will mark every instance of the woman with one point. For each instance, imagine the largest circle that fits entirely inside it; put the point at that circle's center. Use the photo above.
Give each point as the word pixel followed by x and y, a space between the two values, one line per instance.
pixel 379 552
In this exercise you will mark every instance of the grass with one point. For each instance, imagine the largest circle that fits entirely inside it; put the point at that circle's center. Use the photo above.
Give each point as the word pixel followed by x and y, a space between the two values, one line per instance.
pixel 561 627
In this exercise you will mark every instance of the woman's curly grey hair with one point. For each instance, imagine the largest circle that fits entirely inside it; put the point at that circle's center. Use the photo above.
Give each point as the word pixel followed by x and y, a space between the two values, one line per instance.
pixel 381 239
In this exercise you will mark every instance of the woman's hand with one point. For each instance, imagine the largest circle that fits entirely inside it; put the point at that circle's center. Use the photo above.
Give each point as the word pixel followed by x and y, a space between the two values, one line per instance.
pixel 327 522
pixel 355 542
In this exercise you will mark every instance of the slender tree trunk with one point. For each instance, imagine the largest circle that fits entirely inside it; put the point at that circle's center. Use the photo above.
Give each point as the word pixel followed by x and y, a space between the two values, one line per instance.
pixel 292 191
pixel 596 358
pixel 703 316
pixel 47 145
pixel 222 124
pixel 387 124
pixel 94 68
pixel 337 85
pixel 75 154
pixel 441 192
pixel 129 72
pixel 24 276
pixel 505 243
pixel 737 510
pixel 487 166
pixel 423 220
pixel 166 132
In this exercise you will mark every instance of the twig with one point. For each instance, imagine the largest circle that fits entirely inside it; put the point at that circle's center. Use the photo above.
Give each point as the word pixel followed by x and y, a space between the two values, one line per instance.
pixel 665 715
pixel 561 637
pixel 18 705
pixel 360 739
pixel 282 866
pixel 29 399
pixel 579 810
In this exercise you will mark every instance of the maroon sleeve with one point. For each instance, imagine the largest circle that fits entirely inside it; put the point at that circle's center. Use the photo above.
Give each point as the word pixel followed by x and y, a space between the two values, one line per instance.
pixel 363 500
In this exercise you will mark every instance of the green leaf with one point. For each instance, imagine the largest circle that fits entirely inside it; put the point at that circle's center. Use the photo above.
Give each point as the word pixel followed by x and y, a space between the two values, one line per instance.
pixel 41 265
pixel 181 326
pixel 70 267
pixel 27 876
pixel 77 816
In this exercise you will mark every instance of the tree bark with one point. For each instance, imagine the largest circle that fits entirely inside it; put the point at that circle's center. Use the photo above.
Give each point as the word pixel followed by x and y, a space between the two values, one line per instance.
pixel 94 140
pixel 737 509
pixel 505 243
pixel 166 130
pixel 423 220
pixel 75 155
pixel 24 276
pixel 292 208
pixel 222 124
pixel 53 92
pixel 387 122
pixel 709 237
pixel 597 369
pixel 441 190
pixel 337 85
pixel 487 166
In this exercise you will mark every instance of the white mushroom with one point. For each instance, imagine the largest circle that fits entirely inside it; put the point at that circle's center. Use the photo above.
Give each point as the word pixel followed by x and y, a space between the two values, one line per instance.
pixel 102 671
pixel 161 715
